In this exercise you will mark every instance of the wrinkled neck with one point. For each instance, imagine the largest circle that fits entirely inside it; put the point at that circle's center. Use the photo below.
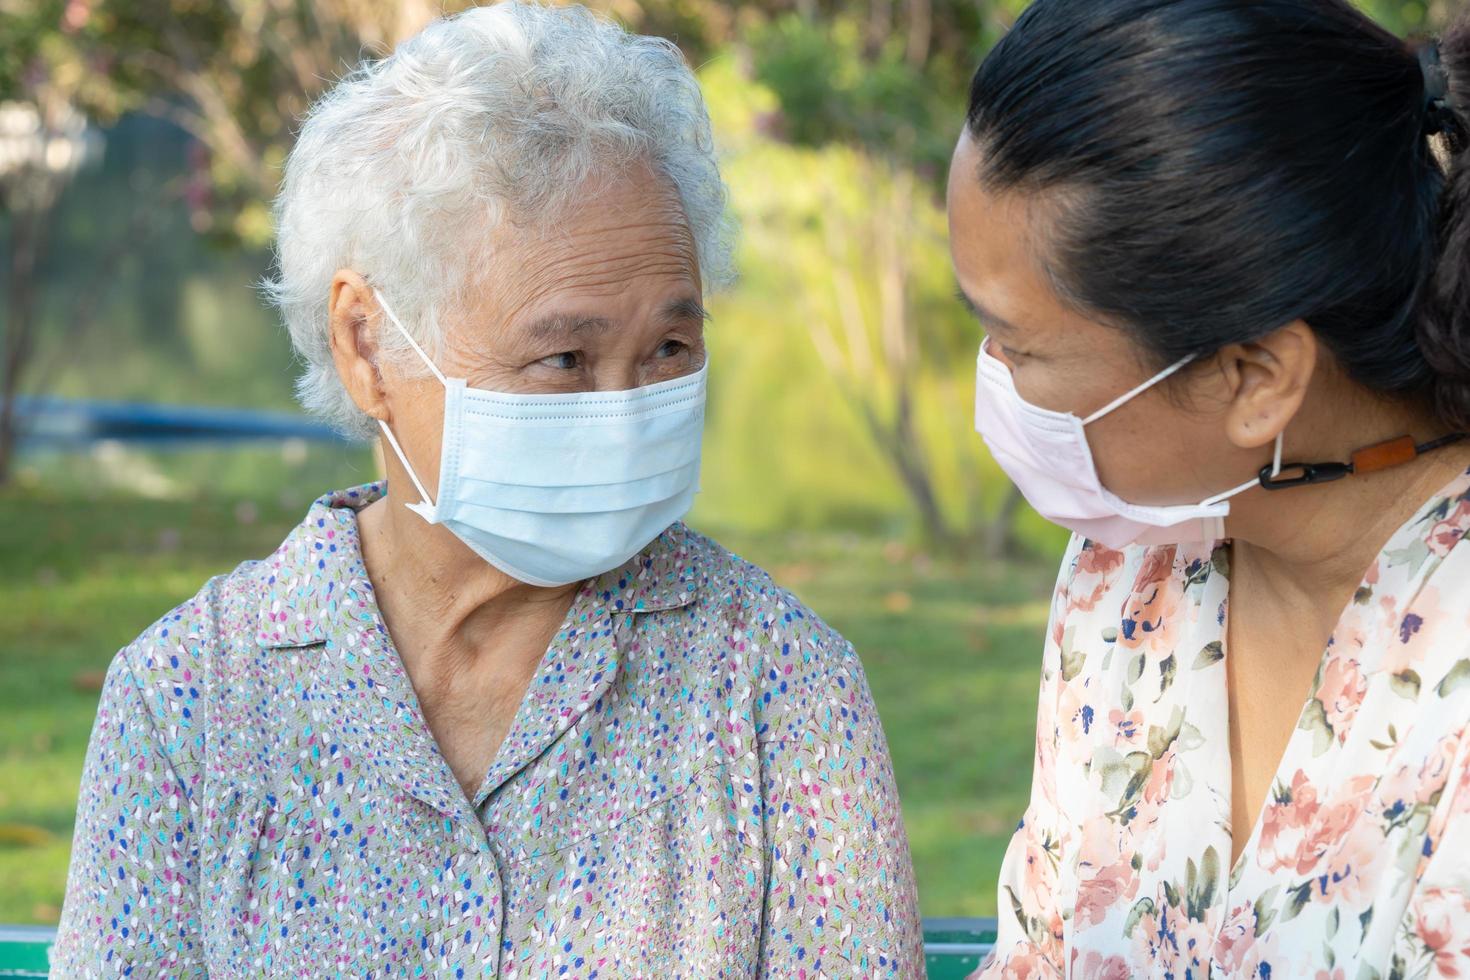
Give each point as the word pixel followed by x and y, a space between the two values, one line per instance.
pixel 441 600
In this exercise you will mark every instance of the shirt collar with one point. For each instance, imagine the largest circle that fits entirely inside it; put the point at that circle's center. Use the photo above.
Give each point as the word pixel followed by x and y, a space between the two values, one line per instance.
pixel 302 582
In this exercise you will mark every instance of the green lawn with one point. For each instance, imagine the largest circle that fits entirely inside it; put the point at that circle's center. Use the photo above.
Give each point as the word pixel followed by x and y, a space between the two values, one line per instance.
pixel 951 651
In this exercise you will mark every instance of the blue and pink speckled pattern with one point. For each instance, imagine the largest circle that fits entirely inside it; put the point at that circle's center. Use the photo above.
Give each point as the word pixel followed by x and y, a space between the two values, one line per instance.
pixel 696 785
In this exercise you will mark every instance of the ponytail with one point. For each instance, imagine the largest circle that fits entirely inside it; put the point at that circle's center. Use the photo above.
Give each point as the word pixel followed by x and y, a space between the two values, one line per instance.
pixel 1444 308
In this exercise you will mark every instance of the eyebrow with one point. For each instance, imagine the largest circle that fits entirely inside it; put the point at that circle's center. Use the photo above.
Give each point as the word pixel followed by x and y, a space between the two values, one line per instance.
pixel 980 313
pixel 557 325
pixel 683 310
pixel 567 325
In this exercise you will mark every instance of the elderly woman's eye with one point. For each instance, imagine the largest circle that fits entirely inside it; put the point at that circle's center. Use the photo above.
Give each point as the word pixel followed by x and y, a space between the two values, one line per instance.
pixel 565 361
pixel 672 348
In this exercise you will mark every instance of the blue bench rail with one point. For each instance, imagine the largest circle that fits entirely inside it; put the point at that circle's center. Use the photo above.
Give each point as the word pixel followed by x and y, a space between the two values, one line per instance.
pixel 47 422
pixel 952 948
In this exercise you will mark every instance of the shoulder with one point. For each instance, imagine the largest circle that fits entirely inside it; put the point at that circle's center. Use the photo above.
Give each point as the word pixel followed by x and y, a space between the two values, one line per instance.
pixel 218 653
pixel 177 664
pixel 795 665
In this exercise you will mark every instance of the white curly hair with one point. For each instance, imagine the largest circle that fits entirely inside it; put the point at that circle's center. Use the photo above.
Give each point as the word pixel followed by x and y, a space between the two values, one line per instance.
pixel 500 112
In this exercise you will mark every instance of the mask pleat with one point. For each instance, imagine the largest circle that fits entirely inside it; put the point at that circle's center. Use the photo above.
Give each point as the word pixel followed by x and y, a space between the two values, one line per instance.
pixel 579 499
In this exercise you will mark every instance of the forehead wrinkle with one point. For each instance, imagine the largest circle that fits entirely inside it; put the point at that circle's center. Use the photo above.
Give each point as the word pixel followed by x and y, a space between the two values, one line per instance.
pixel 600 250
pixel 567 325
pixel 597 276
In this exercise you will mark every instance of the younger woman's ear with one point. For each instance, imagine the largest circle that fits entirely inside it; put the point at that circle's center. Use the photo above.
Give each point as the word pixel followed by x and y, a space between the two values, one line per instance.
pixel 351 311
pixel 1270 378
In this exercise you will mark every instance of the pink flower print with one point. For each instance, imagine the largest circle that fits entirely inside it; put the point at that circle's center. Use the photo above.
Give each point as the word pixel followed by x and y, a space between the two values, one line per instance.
pixel 1105 874
pixel 1026 962
pixel 1149 615
pixel 1171 942
pixel 1045 758
pixel 1434 777
pixel 1418 632
pixel 1447 533
pixel 1127 728
pixel 1097 568
pixel 1076 719
pixel 1147 941
pixel 1041 870
pixel 1348 868
pixel 1093 966
pixel 1100 892
pixel 1283 824
pixel 1333 819
pixel 1461 804
pixel 1237 936
pixel 1187 954
pixel 1398 790
pixel 1155 791
pixel 1262 960
pixel 1350 636
pixel 1311 837
pixel 1437 768
pixel 1442 923
pixel 1341 692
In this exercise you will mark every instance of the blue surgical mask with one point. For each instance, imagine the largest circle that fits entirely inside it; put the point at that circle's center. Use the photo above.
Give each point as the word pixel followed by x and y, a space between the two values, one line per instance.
pixel 555 489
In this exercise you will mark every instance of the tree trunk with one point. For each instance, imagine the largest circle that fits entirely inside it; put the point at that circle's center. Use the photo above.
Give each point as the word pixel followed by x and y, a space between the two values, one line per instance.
pixel 28 242
pixel 900 443
pixel 1000 531
pixel 920 32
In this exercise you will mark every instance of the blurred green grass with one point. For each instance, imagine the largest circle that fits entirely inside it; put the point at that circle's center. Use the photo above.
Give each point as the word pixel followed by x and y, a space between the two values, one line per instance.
pixel 950 648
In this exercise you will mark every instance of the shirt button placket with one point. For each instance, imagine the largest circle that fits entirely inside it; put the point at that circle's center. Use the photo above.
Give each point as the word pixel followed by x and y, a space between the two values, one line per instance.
pixel 481 956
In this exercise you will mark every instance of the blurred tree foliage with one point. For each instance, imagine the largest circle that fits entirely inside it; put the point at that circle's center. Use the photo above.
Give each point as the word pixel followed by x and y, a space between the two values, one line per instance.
pixel 234 74
pixel 886 75
pixel 836 118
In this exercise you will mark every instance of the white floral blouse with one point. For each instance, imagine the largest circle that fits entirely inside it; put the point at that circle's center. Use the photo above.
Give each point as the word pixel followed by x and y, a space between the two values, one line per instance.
pixel 1359 864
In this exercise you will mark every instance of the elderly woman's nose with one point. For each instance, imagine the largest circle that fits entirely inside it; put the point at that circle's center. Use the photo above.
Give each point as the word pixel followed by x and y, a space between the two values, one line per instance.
pixel 619 377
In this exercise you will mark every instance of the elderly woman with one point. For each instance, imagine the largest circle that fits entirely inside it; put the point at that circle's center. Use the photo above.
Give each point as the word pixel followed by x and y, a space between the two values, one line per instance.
pixel 509 718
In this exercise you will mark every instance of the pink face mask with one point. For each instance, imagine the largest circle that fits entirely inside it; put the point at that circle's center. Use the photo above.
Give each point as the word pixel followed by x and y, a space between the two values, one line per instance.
pixel 1047 456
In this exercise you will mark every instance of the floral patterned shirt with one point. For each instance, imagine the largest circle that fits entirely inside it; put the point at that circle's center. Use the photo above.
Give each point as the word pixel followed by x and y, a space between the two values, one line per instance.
pixel 1358 867
pixel 696 785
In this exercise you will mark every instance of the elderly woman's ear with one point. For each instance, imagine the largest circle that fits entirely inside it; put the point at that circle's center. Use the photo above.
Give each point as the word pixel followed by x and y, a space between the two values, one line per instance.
pixel 352 312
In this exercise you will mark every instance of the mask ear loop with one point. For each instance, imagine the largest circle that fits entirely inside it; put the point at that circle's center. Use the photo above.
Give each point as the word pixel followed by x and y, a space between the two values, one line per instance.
pixel 1275 471
pixel 1128 396
pixel 409 337
pixel 397 449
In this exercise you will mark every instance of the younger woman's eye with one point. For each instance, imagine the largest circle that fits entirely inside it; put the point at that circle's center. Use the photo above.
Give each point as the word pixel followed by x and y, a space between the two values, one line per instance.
pixel 565 361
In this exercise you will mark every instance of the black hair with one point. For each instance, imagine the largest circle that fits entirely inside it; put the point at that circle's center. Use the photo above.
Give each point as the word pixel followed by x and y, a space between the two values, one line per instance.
pixel 1224 167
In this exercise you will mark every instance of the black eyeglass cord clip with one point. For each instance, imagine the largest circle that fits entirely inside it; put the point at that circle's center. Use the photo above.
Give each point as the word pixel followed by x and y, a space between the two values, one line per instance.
pixel 1369 459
